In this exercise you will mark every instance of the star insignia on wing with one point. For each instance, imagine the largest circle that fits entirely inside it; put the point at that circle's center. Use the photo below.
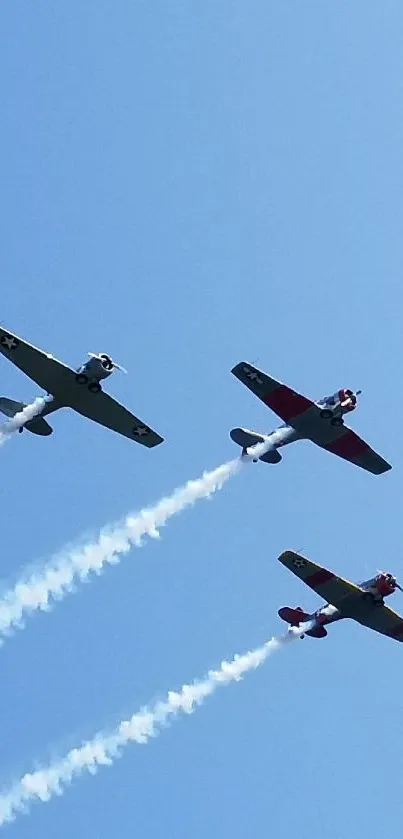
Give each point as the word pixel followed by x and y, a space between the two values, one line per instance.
pixel 141 430
pixel 299 563
pixel 9 342
pixel 253 375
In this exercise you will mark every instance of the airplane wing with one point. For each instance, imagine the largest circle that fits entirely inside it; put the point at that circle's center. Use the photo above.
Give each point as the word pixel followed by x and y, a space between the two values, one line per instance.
pixel 284 401
pixel 305 416
pixel 331 587
pixel 380 618
pixel 105 410
pixel 348 445
pixel 49 373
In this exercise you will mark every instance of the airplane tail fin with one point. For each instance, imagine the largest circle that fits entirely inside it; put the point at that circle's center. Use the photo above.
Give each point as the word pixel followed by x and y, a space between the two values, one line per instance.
pixel 38 425
pixel 296 616
pixel 245 438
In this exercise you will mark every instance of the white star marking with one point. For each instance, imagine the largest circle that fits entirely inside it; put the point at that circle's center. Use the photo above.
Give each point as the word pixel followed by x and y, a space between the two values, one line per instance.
pixel 253 376
pixel 140 430
pixel 9 342
pixel 299 563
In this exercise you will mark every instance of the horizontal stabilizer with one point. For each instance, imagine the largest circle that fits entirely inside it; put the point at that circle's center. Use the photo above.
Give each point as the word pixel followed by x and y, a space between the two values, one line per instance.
pixel 293 616
pixel 245 438
pixel 272 456
pixel 10 407
pixel 38 425
pixel 297 616
pixel 317 632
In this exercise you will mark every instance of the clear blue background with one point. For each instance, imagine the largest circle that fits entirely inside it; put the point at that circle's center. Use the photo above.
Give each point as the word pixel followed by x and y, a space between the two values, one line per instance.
pixel 185 185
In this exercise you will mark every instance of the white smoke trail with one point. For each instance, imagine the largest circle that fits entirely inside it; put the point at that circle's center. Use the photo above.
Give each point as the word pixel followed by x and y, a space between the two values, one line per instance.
pixel 19 419
pixel 259 449
pixel 104 749
pixel 57 577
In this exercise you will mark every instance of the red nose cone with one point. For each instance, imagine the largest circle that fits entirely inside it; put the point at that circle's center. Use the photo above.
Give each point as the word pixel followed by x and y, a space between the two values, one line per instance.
pixel 386 584
pixel 348 399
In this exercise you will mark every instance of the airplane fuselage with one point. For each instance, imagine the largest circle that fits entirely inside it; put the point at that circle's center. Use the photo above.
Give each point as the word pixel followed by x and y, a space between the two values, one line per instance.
pixel 281 436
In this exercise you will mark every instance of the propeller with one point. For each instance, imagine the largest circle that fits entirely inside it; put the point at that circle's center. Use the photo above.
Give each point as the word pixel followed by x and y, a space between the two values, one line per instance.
pixel 351 398
pixel 395 583
pixel 119 367
pixel 103 357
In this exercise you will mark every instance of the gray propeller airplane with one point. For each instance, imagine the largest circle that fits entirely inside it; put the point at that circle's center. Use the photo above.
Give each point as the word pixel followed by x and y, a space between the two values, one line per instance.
pixel 321 421
pixel 78 389
pixel 363 603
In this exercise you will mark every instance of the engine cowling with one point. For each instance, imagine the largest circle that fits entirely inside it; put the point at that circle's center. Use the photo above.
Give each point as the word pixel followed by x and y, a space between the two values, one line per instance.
pixel 385 584
pixel 97 368
pixel 339 403
pixel 381 586
pixel 347 399
pixel 106 361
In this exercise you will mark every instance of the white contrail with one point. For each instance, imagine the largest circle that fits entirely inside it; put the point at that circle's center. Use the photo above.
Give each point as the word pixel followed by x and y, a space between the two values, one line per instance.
pixel 104 749
pixel 56 578
pixel 259 449
pixel 19 419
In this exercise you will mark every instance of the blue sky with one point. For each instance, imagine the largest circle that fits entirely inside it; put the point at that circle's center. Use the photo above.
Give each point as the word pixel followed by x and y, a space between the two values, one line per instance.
pixel 185 186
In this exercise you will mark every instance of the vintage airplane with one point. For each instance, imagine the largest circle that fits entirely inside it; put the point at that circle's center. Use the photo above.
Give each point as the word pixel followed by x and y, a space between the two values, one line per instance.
pixel 363 602
pixel 78 389
pixel 321 421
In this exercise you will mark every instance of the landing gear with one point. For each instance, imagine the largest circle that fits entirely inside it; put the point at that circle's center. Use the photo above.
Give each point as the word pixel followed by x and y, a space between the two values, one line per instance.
pixel 372 599
pixel 82 379
pixel 327 414
pixel 94 387
pixel 20 430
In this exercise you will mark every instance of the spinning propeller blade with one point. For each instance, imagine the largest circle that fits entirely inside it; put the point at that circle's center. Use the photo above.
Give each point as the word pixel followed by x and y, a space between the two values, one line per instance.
pixel 117 366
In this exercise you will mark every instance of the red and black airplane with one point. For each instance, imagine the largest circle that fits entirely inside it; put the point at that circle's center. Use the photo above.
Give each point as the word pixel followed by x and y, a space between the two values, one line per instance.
pixel 363 602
